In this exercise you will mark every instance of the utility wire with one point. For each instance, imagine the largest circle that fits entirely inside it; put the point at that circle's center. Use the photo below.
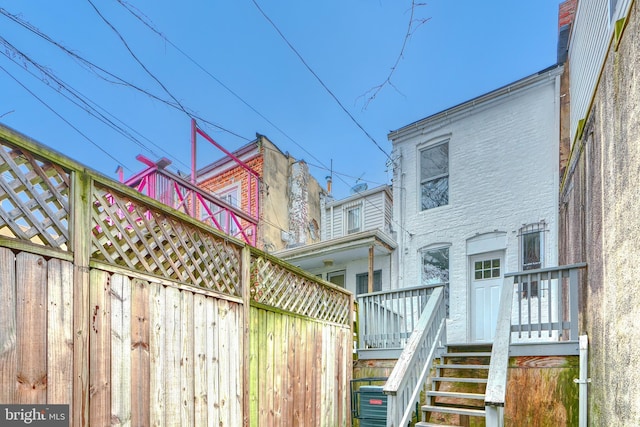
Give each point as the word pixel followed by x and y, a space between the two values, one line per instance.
pixel 335 98
pixel 60 116
pixel 137 14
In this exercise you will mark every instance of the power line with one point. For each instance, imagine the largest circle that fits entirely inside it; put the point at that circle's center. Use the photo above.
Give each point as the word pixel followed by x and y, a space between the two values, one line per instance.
pixel 60 116
pixel 129 8
pixel 335 98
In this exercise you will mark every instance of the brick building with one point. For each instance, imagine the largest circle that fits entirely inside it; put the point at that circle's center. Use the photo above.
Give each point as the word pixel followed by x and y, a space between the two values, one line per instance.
pixel 475 195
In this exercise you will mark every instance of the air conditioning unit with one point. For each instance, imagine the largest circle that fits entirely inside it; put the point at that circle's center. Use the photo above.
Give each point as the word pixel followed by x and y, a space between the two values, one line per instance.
pixel 373 406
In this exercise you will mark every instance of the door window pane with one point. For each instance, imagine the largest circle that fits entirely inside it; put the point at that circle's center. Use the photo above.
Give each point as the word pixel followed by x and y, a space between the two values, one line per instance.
pixel 487 269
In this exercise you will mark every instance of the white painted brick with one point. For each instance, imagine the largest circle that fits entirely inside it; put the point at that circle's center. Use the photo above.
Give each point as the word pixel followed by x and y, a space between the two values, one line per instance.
pixel 503 173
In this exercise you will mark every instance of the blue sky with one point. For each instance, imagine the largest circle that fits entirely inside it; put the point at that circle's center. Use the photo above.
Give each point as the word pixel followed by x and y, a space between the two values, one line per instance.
pixel 465 49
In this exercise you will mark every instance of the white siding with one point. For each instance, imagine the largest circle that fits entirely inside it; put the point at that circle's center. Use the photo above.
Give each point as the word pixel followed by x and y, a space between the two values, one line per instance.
pixel 376 213
pixel 503 173
pixel 590 37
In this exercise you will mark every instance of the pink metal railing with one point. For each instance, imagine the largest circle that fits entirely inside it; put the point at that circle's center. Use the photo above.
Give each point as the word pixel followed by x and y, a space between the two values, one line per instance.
pixel 176 192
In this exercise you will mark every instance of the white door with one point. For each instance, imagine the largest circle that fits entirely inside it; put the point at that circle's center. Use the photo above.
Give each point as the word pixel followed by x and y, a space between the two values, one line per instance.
pixel 486 283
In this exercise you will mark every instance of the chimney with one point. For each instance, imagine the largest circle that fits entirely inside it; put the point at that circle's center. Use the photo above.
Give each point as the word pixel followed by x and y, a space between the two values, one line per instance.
pixel 329 180
pixel 566 13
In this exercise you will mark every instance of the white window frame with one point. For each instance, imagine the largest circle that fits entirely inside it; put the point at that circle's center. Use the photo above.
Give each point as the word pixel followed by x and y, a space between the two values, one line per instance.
pixel 527 229
pixel 347 210
pixel 231 195
pixel 422 181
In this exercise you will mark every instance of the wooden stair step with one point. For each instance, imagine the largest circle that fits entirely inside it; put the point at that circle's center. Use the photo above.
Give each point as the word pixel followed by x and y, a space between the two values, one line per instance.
pixel 469 354
pixel 454 366
pixel 454 410
pixel 459 380
pixel 428 424
pixel 456 395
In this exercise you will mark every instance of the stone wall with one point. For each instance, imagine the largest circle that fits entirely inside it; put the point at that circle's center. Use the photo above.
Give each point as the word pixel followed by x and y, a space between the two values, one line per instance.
pixel 600 224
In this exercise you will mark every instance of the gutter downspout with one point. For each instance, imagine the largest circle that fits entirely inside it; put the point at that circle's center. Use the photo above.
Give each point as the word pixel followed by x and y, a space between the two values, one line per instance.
pixel 583 382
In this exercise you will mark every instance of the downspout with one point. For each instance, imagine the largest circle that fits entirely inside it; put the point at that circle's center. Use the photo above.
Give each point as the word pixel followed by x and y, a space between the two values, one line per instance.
pixel 583 381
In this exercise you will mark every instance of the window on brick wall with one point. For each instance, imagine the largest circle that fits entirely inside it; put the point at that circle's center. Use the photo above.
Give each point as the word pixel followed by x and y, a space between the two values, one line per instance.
pixel 231 196
pixel 435 269
pixel 434 176
pixel 532 252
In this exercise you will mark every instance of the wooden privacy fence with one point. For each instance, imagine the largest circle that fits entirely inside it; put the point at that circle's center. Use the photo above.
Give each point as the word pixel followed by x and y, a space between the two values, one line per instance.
pixel 135 314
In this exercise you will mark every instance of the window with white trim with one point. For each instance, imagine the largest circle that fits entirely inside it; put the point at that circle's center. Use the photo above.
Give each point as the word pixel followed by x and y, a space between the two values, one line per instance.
pixel 353 218
pixel 435 269
pixel 362 282
pixel 532 250
pixel 434 176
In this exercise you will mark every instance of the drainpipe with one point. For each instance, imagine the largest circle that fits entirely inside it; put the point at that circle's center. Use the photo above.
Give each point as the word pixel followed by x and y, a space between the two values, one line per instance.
pixel 583 381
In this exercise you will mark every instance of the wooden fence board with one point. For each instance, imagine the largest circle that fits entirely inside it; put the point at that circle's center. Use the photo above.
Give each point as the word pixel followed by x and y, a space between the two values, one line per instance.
pixel 224 363
pixel 236 360
pixel 100 344
pixel 200 374
pixel 60 332
pixel 187 378
pixel 8 332
pixel 140 358
pixel 300 341
pixel 121 352
pixel 172 341
pixel 254 367
pixel 31 319
pixel 213 365
pixel 157 355
pixel 269 367
pixel 278 336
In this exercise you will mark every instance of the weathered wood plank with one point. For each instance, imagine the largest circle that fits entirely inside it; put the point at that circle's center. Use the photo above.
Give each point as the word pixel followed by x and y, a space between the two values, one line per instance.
pixel 31 319
pixel 172 343
pixel 263 392
pixel 8 332
pixel 140 357
pixel 269 372
pixel 81 247
pixel 254 374
pixel 235 346
pixel 60 332
pixel 279 321
pixel 312 367
pixel 187 378
pixel 100 344
pixel 200 374
pixel 224 364
pixel 299 344
pixel 213 365
pixel 245 288
pixel 157 355
pixel 121 350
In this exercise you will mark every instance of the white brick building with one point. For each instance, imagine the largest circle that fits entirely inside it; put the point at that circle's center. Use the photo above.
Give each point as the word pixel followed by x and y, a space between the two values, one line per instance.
pixel 476 195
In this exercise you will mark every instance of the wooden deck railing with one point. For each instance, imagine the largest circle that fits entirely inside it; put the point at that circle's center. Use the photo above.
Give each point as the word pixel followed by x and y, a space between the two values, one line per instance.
pixel 388 318
pixel 536 307
pixel 412 369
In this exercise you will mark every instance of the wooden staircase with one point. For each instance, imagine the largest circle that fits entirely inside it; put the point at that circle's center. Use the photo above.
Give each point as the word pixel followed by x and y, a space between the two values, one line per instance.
pixel 457 390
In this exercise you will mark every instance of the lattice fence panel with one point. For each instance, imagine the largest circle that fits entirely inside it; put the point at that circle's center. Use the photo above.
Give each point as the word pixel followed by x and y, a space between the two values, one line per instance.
pixel 34 199
pixel 130 234
pixel 276 286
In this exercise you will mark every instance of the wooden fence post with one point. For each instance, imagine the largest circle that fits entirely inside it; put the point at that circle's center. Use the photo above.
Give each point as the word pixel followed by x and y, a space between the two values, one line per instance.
pixel 81 246
pixel 245 283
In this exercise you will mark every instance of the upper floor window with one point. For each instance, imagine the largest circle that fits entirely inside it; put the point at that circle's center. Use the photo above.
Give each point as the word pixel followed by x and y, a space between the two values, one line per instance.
pixel 354 219
pixel 434 176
